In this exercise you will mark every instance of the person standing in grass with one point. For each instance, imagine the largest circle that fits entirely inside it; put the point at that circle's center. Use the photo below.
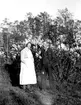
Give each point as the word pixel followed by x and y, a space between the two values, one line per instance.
pixel 27 71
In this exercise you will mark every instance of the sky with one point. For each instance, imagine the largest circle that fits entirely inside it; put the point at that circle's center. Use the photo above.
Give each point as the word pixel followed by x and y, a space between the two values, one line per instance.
pixel 17 9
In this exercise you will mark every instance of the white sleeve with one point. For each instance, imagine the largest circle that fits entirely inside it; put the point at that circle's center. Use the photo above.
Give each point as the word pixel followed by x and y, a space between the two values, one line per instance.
pixel 24 55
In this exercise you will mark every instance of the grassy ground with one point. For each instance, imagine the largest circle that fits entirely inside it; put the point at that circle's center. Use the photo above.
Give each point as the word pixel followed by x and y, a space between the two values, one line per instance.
pixel 11 95
pixel 14 96
pixel 64 94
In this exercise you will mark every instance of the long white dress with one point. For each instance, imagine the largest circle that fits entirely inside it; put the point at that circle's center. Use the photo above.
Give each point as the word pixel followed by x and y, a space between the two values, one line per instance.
pixel 27 72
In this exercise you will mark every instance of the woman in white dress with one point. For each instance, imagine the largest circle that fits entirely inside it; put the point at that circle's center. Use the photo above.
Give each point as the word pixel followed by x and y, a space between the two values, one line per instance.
pixel 27 72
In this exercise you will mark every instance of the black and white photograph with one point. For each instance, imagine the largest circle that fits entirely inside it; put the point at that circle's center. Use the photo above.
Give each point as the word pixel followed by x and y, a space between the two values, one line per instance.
pixel 40 52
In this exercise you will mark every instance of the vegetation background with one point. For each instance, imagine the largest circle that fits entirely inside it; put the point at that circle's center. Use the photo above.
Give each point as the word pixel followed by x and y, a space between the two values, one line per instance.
pixel 56 47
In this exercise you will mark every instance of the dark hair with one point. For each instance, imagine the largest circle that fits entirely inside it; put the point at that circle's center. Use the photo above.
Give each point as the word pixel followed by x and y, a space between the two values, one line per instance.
pixel 28 43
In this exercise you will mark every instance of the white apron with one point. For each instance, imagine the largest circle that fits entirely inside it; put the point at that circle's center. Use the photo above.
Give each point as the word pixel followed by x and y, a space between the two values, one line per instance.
pixel 27 73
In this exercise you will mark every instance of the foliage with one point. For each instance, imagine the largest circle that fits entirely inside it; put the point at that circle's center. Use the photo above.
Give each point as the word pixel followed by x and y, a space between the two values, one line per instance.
pixel 46 34
pixel 40 29
pixel 66 26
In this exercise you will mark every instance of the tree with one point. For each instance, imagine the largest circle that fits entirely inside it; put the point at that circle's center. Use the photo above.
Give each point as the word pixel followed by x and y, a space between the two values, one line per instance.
pixel 53 33
pixel 6 37
pixel 66 26
pixel 77 31
pixel 45 21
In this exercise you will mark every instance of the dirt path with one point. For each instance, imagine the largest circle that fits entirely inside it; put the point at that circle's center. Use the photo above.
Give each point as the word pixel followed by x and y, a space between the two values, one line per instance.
pixel 45 97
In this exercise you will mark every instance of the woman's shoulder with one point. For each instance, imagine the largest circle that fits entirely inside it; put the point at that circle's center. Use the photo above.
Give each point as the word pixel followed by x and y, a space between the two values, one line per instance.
pixel 24 50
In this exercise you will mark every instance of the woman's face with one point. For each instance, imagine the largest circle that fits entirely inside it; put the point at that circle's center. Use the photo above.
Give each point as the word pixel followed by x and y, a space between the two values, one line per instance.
pixel 29 45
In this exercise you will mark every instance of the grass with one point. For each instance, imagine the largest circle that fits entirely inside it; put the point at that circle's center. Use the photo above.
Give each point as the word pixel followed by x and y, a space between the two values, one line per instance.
pixel 62 94
pixel 15 96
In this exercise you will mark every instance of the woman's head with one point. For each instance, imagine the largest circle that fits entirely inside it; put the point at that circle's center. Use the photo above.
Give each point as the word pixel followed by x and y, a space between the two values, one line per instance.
pixel 28 45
